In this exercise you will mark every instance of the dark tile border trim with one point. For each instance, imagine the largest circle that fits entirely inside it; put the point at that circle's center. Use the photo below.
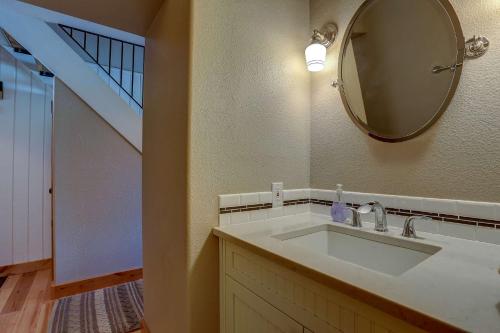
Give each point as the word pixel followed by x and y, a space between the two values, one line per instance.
pixel 268 205
pixel 466 220
pixel 448 218
pixel 245 208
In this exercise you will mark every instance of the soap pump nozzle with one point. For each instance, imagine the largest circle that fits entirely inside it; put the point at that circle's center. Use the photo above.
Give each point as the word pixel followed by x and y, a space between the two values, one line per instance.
pixel 339 192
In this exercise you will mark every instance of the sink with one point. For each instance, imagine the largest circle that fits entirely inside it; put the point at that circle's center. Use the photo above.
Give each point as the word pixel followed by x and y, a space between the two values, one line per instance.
pixel 378 252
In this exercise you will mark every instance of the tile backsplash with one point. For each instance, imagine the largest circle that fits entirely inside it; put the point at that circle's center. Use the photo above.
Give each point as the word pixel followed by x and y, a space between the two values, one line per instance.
pixel 463 219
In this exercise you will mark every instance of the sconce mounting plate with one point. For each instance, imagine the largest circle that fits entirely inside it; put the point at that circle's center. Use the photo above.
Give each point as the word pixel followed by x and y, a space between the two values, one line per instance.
pixel 326 35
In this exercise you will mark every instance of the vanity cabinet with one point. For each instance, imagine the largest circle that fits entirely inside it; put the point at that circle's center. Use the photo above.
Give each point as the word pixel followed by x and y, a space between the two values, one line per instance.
pixel 248 313
pixel 259 294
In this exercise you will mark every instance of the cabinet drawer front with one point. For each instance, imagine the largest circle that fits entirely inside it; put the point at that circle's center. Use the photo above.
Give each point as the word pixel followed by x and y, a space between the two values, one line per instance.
pixel 248 313
pixel 317 307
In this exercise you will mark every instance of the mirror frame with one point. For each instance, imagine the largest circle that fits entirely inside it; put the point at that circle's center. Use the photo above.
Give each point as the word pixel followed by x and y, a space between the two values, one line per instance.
pixel 452 15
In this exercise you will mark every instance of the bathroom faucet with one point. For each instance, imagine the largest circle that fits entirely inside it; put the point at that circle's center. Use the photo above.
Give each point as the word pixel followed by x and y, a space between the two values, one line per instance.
pixel 380 214
pixel 409 227
pixel 356 218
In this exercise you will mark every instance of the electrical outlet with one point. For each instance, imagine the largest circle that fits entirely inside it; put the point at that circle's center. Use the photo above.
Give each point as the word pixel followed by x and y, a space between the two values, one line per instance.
pixel 277 190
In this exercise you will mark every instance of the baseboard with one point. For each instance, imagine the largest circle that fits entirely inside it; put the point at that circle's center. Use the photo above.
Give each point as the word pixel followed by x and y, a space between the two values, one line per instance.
pixel 78 287
pixel 144 327
pixel 26 267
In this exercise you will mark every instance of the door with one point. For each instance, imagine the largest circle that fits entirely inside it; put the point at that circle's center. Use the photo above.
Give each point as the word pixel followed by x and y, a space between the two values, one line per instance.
pixel 25 139
pixel 248 313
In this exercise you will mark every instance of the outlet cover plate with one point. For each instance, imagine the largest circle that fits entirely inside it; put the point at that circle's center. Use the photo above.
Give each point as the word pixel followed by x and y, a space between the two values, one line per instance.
pixel 277 192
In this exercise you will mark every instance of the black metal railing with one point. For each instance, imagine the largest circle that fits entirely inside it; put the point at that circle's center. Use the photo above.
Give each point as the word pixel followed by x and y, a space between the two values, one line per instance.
pixel 122 61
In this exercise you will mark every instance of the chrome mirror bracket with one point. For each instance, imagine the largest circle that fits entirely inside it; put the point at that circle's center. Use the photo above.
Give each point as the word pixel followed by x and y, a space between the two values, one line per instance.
pixel 476 47
pixel 336 83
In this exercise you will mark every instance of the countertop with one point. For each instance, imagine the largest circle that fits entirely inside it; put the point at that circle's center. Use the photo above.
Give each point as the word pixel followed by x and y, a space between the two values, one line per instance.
pixel 459 285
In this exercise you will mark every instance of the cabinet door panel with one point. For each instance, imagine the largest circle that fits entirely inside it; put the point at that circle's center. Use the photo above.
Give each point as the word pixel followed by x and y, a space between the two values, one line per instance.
pixel 315 306
pixel 248 313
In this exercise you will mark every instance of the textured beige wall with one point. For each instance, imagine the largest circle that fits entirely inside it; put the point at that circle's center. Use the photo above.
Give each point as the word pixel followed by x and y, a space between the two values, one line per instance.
pixel 458 157
pixel 166 107
pixel 97 193
pixel 250 120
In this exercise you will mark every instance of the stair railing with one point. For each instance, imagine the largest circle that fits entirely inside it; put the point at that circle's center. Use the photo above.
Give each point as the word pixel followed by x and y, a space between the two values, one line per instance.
pixel 122 61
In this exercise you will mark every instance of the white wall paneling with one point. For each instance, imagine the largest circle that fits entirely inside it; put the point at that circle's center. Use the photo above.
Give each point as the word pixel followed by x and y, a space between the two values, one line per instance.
pixel 25 164
pixel 35 176
pixel 8 77
pixel 21 164
pixel 47 173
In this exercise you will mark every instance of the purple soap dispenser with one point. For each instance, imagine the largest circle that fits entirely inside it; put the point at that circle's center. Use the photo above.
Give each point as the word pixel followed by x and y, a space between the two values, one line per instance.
pixel 338 210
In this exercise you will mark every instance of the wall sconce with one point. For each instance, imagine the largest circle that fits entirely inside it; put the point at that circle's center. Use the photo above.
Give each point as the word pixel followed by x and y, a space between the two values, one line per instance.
pixel 320 41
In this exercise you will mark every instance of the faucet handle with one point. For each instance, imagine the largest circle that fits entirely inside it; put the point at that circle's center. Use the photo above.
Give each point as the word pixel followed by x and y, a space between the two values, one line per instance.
pixel 409 226
pixel 370 206
pixel 365 208
pixel 356 218
pixel 380 214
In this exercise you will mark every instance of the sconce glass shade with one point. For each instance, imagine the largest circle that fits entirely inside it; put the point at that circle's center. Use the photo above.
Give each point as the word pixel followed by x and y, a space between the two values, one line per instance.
pixel 315 57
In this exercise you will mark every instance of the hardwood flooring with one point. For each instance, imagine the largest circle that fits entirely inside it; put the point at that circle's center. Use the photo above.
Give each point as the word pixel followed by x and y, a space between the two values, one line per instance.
pixel 25 303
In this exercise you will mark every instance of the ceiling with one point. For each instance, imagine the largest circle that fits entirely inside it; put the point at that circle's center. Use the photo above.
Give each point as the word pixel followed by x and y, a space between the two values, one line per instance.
pixel 134 16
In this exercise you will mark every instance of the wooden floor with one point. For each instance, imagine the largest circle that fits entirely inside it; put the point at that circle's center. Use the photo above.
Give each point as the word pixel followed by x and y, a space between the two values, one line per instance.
pixel 25 303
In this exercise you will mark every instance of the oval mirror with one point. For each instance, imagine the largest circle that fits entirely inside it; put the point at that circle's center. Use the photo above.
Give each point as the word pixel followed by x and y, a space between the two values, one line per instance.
pixel 400 64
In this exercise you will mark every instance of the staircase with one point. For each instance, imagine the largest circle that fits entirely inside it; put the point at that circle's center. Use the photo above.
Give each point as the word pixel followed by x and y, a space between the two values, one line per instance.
pixel 120 64
pixel 112 86
pixel 20 53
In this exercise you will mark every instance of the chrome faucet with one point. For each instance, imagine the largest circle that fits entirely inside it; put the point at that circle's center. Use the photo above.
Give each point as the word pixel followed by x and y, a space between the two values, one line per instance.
pixel 380 214
pixel 356 218
pixel 409 226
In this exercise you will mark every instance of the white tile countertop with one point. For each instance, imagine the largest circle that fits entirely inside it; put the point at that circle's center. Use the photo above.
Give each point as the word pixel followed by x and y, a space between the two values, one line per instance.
pixel 459 285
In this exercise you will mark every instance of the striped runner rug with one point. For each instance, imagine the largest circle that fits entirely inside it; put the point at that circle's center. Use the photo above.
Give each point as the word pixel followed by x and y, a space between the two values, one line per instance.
pixel 117 309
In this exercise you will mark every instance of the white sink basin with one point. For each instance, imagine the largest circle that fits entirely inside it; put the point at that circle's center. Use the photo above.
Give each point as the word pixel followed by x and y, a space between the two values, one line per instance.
pixel 381 253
